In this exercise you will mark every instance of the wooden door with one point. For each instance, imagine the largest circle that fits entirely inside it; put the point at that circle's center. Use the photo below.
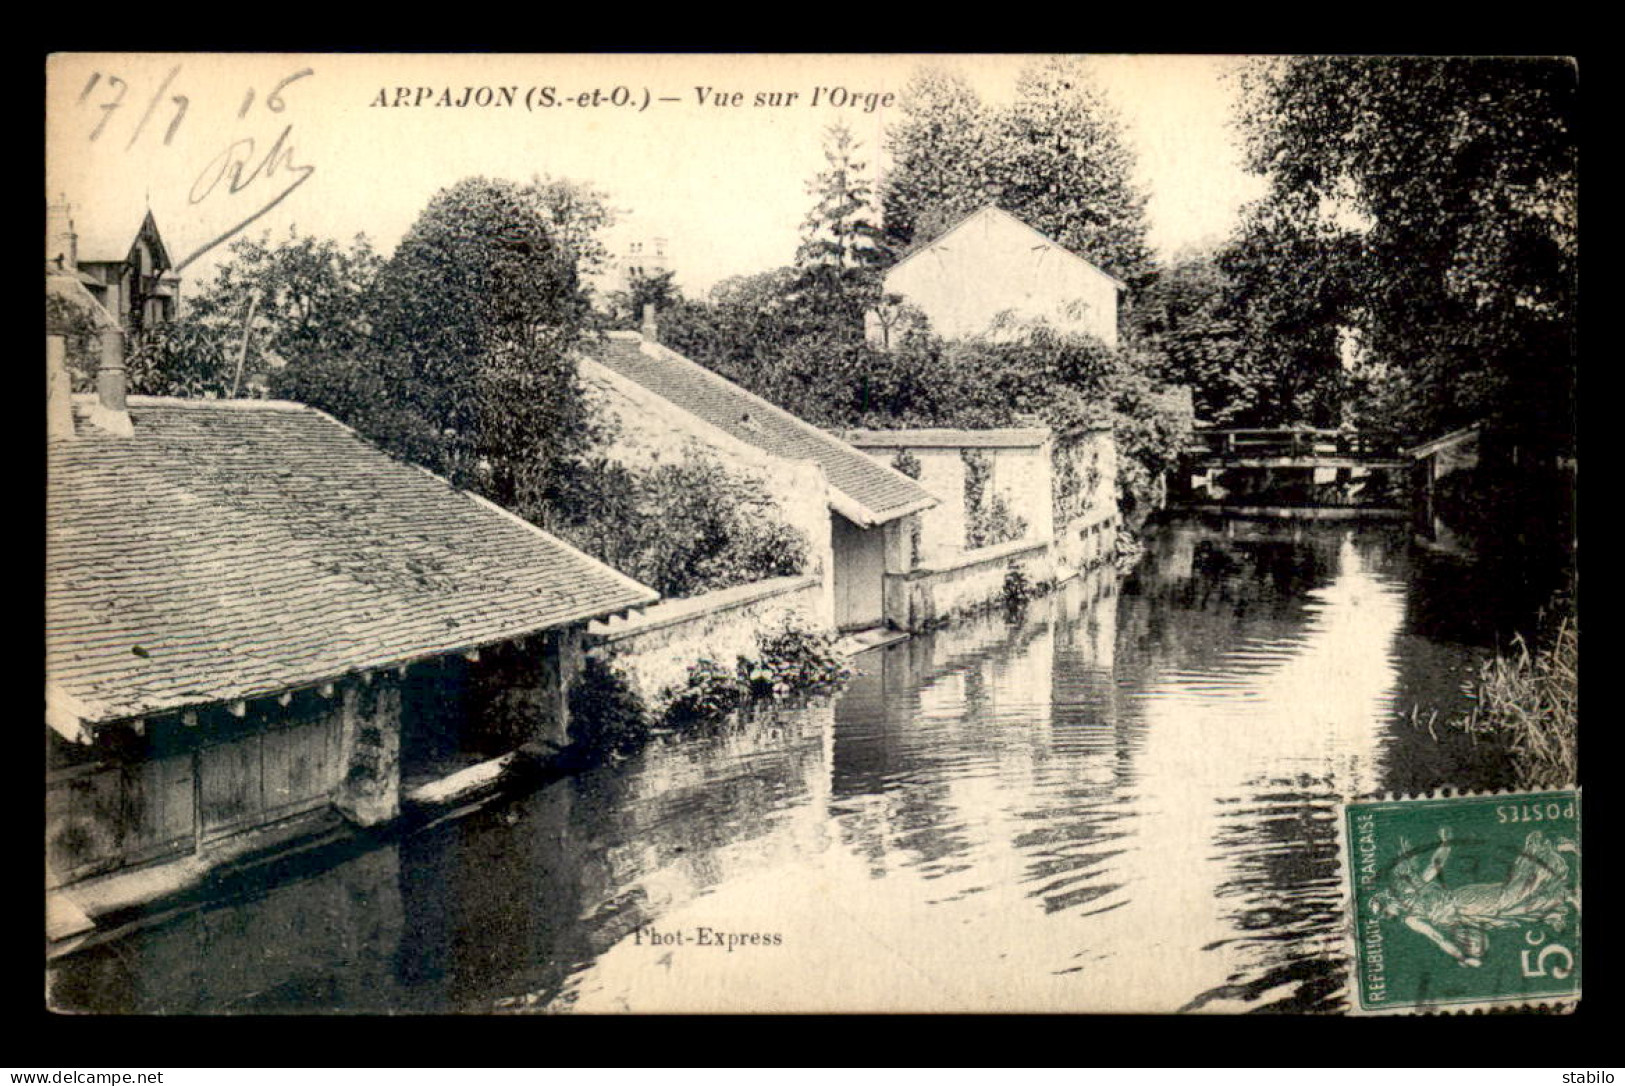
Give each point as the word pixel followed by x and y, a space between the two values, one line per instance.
pixel 860 571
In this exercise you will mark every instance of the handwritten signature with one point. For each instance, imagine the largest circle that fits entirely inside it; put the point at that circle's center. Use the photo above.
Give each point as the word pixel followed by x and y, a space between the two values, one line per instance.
pixel 237 169
pixel 229 166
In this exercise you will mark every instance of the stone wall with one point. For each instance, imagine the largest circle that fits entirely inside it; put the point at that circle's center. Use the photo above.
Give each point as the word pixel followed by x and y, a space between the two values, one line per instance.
pixel 1021 475
pixel 1086 516
pixel 656 648
pixel 942 473
pixel 939 590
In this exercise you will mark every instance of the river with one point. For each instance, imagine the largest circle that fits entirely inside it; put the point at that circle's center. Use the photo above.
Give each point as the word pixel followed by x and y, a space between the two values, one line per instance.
pixel 1121 800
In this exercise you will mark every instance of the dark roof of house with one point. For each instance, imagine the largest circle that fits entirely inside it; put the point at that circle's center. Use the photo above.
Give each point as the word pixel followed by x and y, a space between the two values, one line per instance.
pixel 108 238
pixel 873 492
pixel 1018 437
pixel 235 549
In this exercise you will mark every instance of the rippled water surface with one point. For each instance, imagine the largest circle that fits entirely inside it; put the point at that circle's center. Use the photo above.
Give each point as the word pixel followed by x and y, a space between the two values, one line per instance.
pixel 1122 800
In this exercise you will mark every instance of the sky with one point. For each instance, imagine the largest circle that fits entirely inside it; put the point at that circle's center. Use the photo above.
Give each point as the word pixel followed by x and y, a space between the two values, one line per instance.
pixel 691 148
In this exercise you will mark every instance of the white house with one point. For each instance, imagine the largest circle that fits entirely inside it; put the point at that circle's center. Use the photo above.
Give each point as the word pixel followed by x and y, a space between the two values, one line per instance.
pixel 993 264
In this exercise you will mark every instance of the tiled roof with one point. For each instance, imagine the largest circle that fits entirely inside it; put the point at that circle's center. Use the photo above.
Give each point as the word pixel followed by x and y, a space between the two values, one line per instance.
pixel 234 549
pixel 874 493
pixel 1021 437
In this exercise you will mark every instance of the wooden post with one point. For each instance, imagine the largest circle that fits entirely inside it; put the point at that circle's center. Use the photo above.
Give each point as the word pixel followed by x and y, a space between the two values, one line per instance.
pixel 242 348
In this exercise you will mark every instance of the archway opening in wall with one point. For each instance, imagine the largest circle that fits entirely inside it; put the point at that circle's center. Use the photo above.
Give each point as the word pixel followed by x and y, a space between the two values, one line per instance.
pixel 434 721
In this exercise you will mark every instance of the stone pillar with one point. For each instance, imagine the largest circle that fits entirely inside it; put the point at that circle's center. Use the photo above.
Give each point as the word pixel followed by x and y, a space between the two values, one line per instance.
pixel 899 556
pixel 543 705
pixel 899 561
pixel 369 793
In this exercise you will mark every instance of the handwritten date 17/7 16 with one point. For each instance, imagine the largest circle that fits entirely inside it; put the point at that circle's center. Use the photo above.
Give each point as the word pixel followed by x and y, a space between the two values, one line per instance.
pixel 240 168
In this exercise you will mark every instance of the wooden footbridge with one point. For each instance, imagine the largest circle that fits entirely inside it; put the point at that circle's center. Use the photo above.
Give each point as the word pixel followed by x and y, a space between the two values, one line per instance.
pixel 1294 472
pixel 1295 448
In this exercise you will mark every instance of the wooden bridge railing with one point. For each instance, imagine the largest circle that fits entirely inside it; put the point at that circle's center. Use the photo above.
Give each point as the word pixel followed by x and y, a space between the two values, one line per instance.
pixel 1307 444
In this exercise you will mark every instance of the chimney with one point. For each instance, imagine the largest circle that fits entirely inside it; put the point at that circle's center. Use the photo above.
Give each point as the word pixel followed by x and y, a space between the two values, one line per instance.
pixel 58 389
pixel 995 189
pixel 111 412
pixel 651 325
pixel 61 243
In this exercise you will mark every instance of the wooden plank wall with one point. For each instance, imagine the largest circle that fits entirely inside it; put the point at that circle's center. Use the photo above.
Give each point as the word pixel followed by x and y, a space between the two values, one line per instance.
pixel 107 815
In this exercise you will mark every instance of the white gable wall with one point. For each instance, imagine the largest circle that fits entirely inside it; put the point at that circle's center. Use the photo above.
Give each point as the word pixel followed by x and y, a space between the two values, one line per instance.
pixel 992 263
pixel 653 431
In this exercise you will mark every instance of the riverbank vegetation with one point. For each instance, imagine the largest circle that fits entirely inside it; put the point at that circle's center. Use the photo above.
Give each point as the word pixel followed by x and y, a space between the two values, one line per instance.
pixel 682 528
pixel 1528 704
pixel 789 660
pixel 611 720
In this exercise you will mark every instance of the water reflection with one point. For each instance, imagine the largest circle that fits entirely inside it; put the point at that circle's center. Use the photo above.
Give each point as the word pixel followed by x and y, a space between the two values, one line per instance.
pixel 1121 800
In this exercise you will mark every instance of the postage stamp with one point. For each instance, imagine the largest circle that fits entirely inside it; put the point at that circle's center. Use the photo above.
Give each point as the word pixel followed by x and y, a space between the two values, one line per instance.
pixel 1464 902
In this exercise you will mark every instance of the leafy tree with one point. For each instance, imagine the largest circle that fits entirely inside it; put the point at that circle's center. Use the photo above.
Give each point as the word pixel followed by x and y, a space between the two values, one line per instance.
pixel 467 368
pixel 1055 158
pixel 838 231
pixel 656 289
pixel 1293 286
pixel 268 305
pixel 576 214
pixel 768 330
pixel 1067 170
pixel 1186 320
pixel 937 146
pixel 1451 184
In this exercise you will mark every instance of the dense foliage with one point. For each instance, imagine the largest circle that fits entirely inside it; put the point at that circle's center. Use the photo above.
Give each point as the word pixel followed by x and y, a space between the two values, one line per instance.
pixel 682 528
pixel 656 291
pixel 268 306
pixel 1428 204
pixel 473 320
pixel 710 692
pixel 1215 322
pixel 786 350
pixel 793 657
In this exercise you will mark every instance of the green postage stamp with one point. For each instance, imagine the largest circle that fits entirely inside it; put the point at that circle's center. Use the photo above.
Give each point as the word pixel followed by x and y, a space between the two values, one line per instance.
pixel 1464 902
